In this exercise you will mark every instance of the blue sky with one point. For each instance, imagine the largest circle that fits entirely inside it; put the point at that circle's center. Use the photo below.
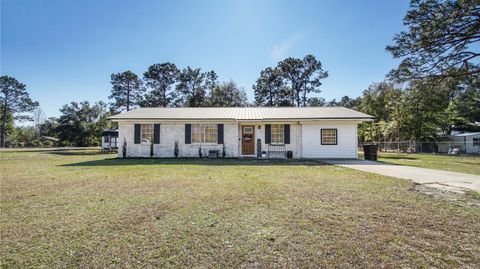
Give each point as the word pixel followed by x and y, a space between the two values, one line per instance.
pixel 65 50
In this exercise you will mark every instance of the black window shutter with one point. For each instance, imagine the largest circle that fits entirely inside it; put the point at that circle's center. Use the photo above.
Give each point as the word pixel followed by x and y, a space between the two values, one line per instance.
pixel 137 133
pixel 286 133
pixel 188 133
pixel 268 133
pixel 220 134
pixel 156 134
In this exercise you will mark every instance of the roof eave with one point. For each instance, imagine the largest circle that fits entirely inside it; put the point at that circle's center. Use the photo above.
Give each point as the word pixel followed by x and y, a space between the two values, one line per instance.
pixel 230 119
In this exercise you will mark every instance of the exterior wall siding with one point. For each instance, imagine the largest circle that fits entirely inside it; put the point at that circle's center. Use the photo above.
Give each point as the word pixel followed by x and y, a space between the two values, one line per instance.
pixel 304 140
pixel 346 140
pixel 171 132
pixel 464 141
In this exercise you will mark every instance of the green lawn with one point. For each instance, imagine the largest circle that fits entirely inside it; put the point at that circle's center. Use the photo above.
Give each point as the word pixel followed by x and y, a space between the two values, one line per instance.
pixel 80 209
pixel 464 163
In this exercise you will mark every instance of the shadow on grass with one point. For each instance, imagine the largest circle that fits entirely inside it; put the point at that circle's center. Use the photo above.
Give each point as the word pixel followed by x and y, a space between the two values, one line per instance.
pixel 61 151
pixel 196 161
pixel 397 157
pixel 78 153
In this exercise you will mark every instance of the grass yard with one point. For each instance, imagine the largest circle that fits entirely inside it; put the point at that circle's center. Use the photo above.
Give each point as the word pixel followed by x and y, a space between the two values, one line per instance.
pixel 464 163
pixel 80 209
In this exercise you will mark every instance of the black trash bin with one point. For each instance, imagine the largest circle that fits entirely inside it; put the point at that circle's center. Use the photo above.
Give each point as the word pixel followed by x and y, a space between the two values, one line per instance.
pixel 370 152
pixel 290 154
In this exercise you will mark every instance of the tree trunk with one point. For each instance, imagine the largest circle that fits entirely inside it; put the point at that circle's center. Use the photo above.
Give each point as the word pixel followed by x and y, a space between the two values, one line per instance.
pixel 4 120
pixel 297 96
pixel 128 96
pixel 164 101
pixel 3 135
pixel 304 98
pixel 270 96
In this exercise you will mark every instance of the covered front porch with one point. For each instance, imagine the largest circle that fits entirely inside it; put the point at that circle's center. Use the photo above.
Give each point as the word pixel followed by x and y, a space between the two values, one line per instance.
pixel 269 140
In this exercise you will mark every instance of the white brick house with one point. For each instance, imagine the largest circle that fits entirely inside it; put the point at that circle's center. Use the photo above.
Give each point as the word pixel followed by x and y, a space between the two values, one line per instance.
pixel 313 132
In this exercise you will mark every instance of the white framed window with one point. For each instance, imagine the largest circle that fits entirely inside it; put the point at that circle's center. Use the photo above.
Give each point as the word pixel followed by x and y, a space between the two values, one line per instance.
pixel 476 142
pixel 278 134
pixel 204 133
pixel 328 136
pixel 146 133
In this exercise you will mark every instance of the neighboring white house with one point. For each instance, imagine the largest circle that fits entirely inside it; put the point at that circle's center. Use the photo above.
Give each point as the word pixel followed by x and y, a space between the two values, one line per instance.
pixel 469 143
pixel 308 132
pixel 110 139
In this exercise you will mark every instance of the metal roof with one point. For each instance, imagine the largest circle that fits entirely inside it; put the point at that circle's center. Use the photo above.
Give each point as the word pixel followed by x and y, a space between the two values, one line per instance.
pixel 466 134
pixel 241 113
pixel 112 133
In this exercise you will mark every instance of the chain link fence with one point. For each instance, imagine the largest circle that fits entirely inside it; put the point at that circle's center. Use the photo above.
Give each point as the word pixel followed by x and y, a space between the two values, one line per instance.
pixel 429 147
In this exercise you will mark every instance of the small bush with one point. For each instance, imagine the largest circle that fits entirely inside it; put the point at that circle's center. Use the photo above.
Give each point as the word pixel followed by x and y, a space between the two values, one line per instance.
pixel 36 143
pixel 151 150
pixel 95 144
pixel 176 151
pixel 124 148
pixel 47 143
pixel 64 143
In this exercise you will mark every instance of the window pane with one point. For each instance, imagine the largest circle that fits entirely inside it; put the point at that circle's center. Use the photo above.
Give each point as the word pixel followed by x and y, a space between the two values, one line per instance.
pixel 329 136
pixel 197 133
pixel 248 130
pixel 277 134
pixel 210 133
pixel 147 133
pixel 204 133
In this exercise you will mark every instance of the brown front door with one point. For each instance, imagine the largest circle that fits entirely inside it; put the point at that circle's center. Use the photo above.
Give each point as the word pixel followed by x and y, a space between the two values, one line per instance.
pixel 248 140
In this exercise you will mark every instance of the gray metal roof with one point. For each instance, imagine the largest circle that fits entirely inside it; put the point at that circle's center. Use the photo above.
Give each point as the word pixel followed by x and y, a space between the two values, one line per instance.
pixel 466 134
pixel 242 113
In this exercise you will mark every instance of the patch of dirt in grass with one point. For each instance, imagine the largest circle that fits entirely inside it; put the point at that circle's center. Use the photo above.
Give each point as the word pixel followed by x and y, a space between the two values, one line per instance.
pixel 469 198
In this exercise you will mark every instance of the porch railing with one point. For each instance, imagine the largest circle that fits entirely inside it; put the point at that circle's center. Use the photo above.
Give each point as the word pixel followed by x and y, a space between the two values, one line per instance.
pixel 276 151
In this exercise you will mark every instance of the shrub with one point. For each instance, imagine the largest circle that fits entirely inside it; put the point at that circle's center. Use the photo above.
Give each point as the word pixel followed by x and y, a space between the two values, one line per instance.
pixel 124 148
pixel 36 143
pixel 47 143
pixel 95 144
pixel 64 143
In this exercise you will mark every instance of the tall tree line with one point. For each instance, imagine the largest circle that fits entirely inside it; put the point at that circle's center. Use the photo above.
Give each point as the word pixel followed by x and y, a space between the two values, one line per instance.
pixel 164 85
pixel 290 82
pixel 14 103
pixel 440 71
pixel 419 111
pixel 434 90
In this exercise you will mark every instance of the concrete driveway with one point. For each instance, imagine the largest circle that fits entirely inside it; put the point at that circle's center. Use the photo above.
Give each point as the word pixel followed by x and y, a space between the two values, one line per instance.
pixel 445 180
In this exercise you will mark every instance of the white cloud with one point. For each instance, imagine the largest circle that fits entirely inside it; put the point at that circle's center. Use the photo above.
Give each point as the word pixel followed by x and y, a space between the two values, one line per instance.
pixel 280 50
